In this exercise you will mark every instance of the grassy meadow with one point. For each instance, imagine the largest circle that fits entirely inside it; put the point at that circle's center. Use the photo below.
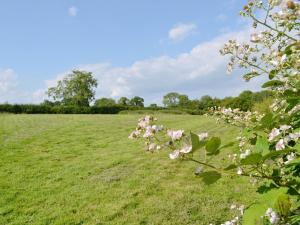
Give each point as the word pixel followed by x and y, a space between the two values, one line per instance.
pixel 82 169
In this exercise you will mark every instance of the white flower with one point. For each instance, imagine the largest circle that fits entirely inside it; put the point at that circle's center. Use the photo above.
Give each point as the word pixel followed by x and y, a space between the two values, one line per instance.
pixel 272 216
pixel 256 37
pixel 274 133
pixel 203 136
pixel 174 155
pixel 233 206
pixel 283 58
pixel 280 145
pixel 239 171
pixel 227 111
pixel 289 158
pixel 157 128
pixel 158 147
pixel 294 136
pixel 245 154
pixel 175 135
pixel 152 146
pixel 284 127
pixel 242 208
pixel 186 149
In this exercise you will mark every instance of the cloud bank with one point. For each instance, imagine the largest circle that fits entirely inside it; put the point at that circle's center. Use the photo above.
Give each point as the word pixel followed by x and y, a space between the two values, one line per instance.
pixel 198 72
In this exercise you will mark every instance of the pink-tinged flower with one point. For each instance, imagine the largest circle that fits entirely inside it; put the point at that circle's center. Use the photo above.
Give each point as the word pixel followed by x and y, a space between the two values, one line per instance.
pixel 186 149
pixel 284 127
pixel 280 145
pixel 143 124
pixel 149 132
pixel 203 136
pixel 175 135
pixel 274 133
pixel 174 155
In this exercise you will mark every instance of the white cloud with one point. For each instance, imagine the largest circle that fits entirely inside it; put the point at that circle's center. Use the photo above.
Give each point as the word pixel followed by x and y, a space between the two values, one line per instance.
pixel 182 31
pixel 7 80
pixel 73 11
pixel 196 73
pixel 11 92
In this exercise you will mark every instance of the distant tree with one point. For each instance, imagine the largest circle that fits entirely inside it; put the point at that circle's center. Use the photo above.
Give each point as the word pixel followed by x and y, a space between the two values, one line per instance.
pixel 137 101
pixel 206 101
pixel 184 101
pixel 76 89
pixel 123 101
pixel 153 105
pixel 105 102
pixel 171 99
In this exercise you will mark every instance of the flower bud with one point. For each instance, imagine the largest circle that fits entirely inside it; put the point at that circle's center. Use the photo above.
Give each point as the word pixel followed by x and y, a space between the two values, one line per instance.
pixel 291 5
pixel 246 8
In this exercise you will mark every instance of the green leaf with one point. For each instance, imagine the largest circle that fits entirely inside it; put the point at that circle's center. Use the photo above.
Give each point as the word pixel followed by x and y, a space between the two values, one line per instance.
pixel 252 159
pixel 288 49
pixel 230 167
pixel 212 145
pixel 195 142
pixel 210 177
pixel 262 145
pixel 253 214
pixel 294 162
pixel 272 74
pixel 267 120
pixel 230 144
pixel 272 83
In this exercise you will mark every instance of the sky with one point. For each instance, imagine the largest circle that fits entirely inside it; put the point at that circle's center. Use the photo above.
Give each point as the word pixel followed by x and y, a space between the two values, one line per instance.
pixel 133 47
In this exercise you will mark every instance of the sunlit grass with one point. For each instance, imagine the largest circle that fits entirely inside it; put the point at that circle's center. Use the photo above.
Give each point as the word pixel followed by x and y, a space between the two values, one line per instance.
pixel 82 169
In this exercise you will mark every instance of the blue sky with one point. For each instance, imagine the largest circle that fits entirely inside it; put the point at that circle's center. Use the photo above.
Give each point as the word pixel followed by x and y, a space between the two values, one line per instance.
pixel 134 47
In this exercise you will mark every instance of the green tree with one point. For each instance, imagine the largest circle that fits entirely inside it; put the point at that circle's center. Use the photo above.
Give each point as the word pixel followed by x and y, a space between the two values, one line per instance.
pixel 105 102
pixel 137 101
pixel 184 101
pixel 77 88
pixel 153 105
pixel 123 101
pixel 171 99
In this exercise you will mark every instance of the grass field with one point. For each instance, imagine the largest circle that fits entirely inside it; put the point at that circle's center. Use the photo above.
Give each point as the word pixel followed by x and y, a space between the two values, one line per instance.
pixel 82 169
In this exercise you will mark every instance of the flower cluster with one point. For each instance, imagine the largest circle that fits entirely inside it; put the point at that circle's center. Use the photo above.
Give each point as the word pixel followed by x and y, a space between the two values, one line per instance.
pixel 236 116
pixel 272 216
pixel 237 219
pixel 146 128
pixel 157 137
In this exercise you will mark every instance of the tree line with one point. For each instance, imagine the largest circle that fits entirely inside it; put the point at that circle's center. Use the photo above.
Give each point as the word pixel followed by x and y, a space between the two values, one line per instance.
pixel 76 92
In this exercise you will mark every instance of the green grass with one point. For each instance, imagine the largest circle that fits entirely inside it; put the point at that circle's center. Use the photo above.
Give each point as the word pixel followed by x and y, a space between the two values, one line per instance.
pixel 82 169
